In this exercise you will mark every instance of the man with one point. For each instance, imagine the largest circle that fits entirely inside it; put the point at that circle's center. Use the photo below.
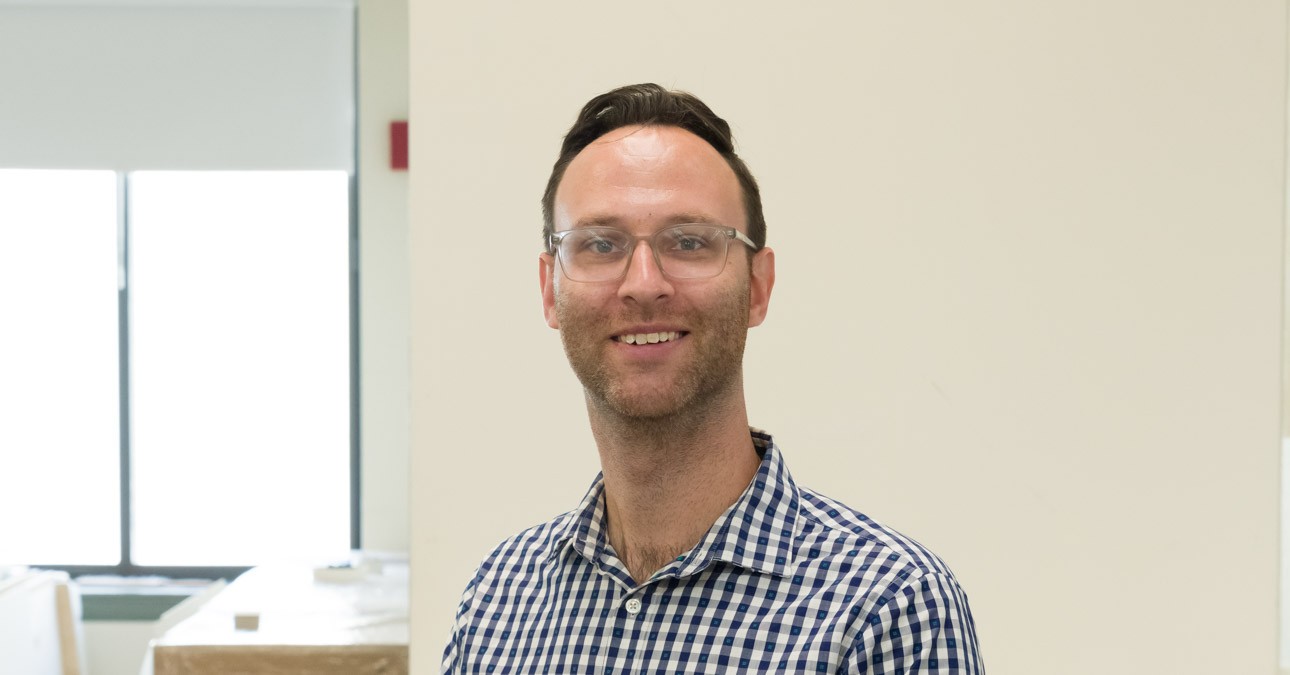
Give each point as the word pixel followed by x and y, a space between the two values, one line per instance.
pixel 694 550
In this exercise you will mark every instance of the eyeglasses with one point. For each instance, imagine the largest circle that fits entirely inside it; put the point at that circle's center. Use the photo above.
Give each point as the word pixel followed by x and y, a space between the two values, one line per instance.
pixel 691 251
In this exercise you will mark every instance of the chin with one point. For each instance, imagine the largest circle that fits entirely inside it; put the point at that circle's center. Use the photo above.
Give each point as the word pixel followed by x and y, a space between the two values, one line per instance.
pixel 676 398
pixel 644 405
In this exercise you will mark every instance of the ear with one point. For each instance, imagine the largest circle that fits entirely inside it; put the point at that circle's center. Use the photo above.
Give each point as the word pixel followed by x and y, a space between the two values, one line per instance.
pixel 762 282
pixel 546 277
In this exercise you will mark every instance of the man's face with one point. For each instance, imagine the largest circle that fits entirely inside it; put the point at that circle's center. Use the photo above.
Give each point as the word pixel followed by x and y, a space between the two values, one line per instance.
pixel 642 179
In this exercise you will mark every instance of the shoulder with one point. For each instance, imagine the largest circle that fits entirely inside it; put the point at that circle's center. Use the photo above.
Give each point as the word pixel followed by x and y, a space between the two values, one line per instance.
pixel 827 524
pixel 527 548
pixel 871 561
pixel 511 562
pixel 516 559
pixel 908 600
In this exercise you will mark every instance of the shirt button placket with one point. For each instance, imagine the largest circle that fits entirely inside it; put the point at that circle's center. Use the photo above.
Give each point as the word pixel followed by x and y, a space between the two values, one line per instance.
pixel 626 643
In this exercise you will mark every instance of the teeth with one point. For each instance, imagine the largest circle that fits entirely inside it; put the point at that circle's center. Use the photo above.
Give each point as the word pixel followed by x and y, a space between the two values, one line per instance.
pixel 648 338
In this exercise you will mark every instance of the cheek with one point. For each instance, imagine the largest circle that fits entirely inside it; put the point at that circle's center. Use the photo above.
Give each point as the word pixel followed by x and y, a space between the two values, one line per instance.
pixel 573 309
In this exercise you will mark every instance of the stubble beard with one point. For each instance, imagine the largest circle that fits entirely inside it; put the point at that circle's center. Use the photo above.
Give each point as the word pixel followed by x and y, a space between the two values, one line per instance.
pixel 698 390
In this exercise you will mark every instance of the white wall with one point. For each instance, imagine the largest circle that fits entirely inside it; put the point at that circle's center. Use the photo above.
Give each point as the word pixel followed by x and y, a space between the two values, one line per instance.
pixel 1028 306
pixel 384 303
pixel 203 84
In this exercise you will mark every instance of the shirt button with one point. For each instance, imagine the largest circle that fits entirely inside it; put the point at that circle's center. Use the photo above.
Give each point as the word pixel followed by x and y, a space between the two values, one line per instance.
pixel 633 606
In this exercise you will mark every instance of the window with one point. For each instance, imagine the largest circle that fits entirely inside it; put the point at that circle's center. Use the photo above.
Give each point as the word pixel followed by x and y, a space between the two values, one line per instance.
pixel 59 423
pixel 181 364
pixel 175 366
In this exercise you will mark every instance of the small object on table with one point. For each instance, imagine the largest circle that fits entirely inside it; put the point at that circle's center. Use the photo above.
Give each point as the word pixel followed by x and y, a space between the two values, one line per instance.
pixel 246 621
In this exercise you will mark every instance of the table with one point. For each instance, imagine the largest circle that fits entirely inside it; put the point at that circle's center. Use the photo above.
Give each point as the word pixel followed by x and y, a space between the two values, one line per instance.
pixel 355 627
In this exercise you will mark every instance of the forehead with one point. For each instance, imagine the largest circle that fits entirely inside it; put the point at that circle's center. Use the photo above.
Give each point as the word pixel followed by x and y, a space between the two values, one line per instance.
pixel 641 176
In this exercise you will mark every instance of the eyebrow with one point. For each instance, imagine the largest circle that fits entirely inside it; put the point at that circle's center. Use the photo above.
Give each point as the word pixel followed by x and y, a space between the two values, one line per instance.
pixel 675 219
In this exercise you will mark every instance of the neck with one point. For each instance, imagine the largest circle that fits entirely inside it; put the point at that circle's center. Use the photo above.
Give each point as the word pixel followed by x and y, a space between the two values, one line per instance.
pixel 668 479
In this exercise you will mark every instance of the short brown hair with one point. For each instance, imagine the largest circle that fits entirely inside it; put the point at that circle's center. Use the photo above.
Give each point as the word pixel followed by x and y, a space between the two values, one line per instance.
pixel 652 105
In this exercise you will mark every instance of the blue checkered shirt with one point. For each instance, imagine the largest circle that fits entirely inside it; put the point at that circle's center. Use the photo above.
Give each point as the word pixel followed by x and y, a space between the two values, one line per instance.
pixel 785 581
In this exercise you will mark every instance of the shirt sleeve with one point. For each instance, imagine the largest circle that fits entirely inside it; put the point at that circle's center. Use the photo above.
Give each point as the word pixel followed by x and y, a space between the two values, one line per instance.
pixel 452 653
pixel 924 627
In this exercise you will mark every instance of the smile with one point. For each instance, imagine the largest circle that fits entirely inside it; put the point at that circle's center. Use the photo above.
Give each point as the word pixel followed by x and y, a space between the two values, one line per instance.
pixel 649 338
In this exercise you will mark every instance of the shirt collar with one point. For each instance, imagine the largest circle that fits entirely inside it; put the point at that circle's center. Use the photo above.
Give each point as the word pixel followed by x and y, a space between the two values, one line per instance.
pixel 757 532
pixel 584 529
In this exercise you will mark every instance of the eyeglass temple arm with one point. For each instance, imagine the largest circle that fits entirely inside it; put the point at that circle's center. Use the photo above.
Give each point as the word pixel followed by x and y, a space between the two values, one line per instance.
pixel 740 236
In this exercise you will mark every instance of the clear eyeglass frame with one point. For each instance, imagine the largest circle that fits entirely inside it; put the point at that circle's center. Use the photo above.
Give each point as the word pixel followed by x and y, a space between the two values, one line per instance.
pixel 557 248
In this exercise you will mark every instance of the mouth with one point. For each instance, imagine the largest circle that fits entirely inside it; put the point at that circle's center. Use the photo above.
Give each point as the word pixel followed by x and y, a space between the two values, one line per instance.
pixel 650 338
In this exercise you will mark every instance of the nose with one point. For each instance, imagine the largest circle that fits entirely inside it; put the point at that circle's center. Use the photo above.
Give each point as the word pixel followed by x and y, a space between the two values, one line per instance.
pixel 644 281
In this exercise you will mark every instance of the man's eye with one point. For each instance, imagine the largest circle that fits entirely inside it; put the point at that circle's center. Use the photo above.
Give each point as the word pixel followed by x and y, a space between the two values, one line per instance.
pixel 600 245
pixel 689 243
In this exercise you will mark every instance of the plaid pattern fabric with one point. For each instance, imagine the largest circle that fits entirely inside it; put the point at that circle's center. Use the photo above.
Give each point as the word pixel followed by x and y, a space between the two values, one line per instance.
pixel 785 581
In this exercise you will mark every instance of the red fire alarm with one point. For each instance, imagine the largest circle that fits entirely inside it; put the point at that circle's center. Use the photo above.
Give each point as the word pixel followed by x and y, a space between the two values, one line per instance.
pixel 399 145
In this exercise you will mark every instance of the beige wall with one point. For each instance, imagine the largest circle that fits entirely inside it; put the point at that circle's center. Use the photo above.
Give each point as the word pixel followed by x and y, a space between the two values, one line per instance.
pixel 1028 306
